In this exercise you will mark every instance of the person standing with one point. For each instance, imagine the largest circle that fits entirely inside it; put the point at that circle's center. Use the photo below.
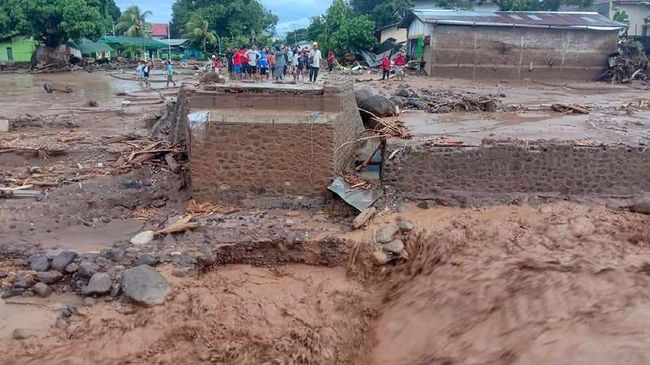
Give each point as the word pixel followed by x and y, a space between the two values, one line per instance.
pixel 145 74
pixel 385 66
pixel 400 63
pixel 253 55
pixel 170 73
pixel 236 61
pixel 331 60
pixel 296 65
pixel 271 63
pixel 315 56
pixel 216 63
pixel 280 64
pixel 139 71
pixel 263 64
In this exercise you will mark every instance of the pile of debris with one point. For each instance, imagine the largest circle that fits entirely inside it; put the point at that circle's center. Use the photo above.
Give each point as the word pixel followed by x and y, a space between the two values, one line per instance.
pixel 628 63
pixel 445 101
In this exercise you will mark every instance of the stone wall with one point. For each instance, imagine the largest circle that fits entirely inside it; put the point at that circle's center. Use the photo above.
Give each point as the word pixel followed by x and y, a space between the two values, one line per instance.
pixel 507 53
pixel 541 167
pixel 243 157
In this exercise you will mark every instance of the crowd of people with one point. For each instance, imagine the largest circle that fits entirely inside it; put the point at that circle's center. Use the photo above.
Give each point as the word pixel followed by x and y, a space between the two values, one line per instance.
pixel 273 63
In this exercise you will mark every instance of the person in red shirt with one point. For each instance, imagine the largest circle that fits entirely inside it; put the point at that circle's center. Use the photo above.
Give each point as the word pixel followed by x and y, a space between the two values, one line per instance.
pixel 244 62
pixel 236 62
pixel 385 66
pixel 331 60
pixel 400 63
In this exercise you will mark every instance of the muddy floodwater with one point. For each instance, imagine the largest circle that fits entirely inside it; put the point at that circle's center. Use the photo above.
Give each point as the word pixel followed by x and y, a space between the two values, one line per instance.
pixel 19 90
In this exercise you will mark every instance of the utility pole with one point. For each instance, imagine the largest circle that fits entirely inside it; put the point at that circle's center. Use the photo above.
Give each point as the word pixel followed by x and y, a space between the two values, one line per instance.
pixel 169 43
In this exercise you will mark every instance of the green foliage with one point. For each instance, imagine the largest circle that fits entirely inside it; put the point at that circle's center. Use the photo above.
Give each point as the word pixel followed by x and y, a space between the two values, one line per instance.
pixel 621 16
pixel 133 22
pixel 197 31
pixel 228 18
pixel 55 21
pixel 383 12
pixel 340 30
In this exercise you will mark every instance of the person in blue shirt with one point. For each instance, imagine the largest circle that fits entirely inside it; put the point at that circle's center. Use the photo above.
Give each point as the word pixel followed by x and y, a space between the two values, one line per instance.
pixel 263 64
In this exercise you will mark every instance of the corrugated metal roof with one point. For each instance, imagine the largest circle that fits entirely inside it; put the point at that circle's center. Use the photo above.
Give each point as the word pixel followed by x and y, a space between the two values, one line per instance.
pixel 134 41
pixel 175 41
pixel 526 19
pixel 87 47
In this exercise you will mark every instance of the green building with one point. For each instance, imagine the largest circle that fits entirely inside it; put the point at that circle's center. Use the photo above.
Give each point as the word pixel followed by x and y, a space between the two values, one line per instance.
pixel 96 50
pixel 17 48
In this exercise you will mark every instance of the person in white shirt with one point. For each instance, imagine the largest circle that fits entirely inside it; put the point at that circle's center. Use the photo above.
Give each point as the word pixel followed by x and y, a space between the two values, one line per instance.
pixel 253 55
pixel 295 63
pixel 315 56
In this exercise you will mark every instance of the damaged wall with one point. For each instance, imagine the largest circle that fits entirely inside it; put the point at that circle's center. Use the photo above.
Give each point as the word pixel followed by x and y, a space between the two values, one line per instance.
pixel 540 167
pixel 272 150
pixel 517 53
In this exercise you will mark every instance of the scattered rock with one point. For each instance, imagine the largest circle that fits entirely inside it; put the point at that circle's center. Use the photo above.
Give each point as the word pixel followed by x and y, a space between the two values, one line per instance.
pixel 72 268
pixel 146 259
pixel 116 254
pixel 49 277
pixel 403 92
pixel 3 274
pixel 12 292
pixel 426 204
pixel 394 246
pixel 99 284
pixel 581 226
pixel 23 334
pixel 125 309
pixel 115 290
pixel 381 257
pixel 169 240
pixel 404 225
pixel 398 100
pixel 62 260
pixel 142 238
pixel 88 302
pixel 641 204
pixel 23 280
pixel 40 263
pixel 42 290
pixel 385 234
pixel 62 323
pixel 364 217
pixel 87 269
pixel 379 105
pixel 144 285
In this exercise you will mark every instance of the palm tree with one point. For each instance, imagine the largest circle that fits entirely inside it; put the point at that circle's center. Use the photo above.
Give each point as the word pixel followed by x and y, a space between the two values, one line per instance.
pixel 196 30
pixel 132 22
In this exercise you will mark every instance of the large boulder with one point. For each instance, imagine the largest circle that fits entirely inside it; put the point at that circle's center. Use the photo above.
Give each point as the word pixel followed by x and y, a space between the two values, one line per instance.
pixel 641 204
pixel 62 260
pixel 144 285
pixel 100 283
pixel 379 106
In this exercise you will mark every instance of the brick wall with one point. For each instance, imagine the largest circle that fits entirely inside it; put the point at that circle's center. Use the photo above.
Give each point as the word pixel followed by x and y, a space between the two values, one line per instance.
pixel 540 167
pixel 500 52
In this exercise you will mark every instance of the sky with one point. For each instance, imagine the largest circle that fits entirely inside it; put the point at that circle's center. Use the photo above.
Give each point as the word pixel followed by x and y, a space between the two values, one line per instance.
pixel 292 14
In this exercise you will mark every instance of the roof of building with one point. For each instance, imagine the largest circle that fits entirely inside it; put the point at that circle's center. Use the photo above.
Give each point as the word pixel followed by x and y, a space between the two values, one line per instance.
pixel 523 19
pixel 174 42
pixel 134 41
pixel 86 46
pixel 159 30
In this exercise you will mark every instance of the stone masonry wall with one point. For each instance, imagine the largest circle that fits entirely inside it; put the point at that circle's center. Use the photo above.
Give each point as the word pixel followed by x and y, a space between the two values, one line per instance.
pixel 500 52
pixel 238 159
pixel 541 168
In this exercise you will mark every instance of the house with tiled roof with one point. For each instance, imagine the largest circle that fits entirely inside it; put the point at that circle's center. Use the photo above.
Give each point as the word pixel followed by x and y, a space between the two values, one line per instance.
pixel 159 31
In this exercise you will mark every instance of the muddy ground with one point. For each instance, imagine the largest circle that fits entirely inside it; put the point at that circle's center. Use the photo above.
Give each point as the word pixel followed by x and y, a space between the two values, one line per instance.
pixel 287 281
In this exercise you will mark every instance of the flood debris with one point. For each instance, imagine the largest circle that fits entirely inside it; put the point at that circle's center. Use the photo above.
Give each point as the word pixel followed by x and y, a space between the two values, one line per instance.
pixel 433 101
pixel 363 218
pixel 358 198
pixel 568 109
pixel 630 62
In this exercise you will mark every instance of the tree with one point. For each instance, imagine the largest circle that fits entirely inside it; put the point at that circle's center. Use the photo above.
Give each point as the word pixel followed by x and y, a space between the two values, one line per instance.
pixel 56 21
pixel 382 12
pixel 340 30
pixel 197 31
pixel 133 22
pixel 228 18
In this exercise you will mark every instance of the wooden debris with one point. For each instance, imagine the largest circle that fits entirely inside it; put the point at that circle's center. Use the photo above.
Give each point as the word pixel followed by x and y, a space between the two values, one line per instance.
pixel 180 225
pixel 20 193
pixel 566 108
pixel 444 142
pixel 147 214
pixel 364 217
pixel 392 128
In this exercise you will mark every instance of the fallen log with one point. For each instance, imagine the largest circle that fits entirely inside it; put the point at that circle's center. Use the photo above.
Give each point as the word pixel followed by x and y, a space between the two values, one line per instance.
pixel 180 225
pixel 566 108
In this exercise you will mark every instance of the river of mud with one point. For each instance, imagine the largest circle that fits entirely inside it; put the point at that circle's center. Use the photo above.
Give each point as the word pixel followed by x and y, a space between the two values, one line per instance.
pixel 559 283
